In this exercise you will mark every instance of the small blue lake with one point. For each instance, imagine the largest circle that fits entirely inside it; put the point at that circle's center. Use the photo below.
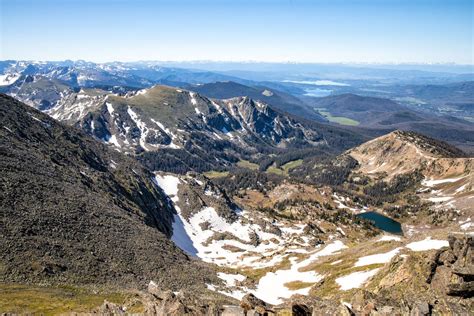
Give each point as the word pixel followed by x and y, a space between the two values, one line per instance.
pixel 383 222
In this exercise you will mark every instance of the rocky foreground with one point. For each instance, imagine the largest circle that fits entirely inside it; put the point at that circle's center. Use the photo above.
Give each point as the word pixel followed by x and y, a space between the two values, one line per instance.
pixel 444 285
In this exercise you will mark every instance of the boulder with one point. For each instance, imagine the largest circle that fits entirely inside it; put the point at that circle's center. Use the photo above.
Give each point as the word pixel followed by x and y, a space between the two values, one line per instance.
pixel 420 309
pixel 344 310
pixel 301 310
pixel 109 309
pixel 251 302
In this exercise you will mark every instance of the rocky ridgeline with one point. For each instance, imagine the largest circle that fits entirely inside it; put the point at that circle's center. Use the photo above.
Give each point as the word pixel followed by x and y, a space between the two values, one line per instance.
pixel 433 146
pixel 165 117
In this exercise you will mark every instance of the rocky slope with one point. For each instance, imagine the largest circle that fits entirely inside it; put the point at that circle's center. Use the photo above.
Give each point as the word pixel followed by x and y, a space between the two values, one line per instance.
pixel 75 212
pixel 402 152
pixel 447 175
pixel 240 118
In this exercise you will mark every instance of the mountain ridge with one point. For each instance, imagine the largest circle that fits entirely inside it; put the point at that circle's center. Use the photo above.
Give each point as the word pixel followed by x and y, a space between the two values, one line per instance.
pixel 278 99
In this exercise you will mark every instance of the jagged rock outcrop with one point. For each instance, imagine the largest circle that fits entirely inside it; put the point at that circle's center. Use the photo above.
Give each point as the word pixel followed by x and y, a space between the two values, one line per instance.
pixel 437 283
pixel 159 302
pixel 198 192
pixel 457 263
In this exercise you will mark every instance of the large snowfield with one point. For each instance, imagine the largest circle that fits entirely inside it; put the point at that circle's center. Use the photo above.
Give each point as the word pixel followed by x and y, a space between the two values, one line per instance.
pixel 192 238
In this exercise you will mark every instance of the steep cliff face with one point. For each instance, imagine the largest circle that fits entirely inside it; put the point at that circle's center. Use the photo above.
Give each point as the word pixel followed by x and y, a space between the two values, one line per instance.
pixel 75 212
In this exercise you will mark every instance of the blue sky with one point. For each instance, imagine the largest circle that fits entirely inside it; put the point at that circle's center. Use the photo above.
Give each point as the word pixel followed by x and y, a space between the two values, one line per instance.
pixel 292 30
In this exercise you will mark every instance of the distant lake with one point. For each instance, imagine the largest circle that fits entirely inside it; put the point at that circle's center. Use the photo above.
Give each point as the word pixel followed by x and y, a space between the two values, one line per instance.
pixel 383 222
pixel 316 92
pixel 319 82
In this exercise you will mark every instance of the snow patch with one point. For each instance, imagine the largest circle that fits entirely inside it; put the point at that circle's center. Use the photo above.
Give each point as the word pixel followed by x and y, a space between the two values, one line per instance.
pixel 193 98
pixel 113 164
pixel 110 108
pixel 231 279
pixel 114 141
pixel 461 188
pixel 356 279
pixel 8 79
pixel 180 236
pixel 440 199
pixel 271 287
pixel 466 226
pixel 432 182
pixel 377 258
pixel 169 184
pixel 389 238
pixel 427 244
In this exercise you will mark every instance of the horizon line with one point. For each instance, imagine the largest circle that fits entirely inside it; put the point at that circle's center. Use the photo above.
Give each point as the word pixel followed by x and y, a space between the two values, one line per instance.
pixel 250 61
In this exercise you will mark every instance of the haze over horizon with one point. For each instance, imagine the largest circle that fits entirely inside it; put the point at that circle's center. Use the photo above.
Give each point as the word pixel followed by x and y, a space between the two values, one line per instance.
pixel 365 31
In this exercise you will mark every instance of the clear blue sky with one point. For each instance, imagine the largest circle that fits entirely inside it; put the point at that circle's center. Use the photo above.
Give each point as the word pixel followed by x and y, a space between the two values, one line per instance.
pixel 291 30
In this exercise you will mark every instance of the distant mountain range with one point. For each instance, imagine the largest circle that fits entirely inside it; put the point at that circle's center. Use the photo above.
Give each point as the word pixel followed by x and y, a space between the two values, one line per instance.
pixel 88 74
pixel 384 114
pixel 70 91
pixel 43 83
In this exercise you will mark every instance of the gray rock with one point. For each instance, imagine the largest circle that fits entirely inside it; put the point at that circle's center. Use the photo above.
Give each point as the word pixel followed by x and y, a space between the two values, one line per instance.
pixel 420 309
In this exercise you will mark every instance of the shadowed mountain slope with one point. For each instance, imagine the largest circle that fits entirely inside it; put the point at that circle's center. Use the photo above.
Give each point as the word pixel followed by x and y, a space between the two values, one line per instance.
pixel 75 212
